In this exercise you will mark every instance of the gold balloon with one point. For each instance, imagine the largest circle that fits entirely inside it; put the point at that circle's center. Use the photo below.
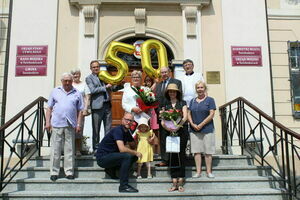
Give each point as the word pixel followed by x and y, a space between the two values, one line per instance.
pixel 146 58
pixel 112 59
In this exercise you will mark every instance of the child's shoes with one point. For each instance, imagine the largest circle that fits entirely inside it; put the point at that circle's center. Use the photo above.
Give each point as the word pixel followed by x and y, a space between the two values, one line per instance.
pixel 150 176
pixel 139 177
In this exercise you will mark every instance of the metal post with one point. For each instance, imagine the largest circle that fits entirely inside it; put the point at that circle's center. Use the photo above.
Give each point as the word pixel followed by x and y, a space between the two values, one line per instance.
pixel 2 132
pixel 282 157
pixel 288 165
pixel 261 143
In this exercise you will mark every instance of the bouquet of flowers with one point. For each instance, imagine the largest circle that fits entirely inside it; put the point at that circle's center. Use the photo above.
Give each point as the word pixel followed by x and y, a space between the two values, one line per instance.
pixel 171 118
pixel 146 99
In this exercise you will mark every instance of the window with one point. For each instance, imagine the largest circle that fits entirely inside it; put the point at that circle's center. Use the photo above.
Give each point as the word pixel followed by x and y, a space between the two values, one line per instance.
pixel 294 66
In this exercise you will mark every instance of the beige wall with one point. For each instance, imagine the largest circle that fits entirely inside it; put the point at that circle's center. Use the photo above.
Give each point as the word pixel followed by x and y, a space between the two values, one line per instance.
pixel 67 39
pixel 120 17
pixel 213 56
pixel 273 4
pixel 283 30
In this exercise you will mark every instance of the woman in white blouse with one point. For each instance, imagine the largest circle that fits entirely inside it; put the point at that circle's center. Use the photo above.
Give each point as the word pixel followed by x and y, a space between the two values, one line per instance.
pixel 129 103
pixel 85 91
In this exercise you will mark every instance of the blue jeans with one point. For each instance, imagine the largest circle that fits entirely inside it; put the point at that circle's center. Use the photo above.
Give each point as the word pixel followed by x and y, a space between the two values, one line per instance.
pixel 123 161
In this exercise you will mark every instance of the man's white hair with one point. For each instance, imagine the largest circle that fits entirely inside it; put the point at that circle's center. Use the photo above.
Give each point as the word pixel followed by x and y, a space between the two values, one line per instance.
pixel 66 74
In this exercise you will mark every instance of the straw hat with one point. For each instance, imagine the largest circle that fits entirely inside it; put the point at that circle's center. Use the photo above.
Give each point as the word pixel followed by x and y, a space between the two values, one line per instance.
pixel 144 121
pixel 172 86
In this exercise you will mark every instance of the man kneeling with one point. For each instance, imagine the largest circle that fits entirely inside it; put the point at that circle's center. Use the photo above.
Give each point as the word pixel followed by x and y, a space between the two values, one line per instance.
pixel 112 154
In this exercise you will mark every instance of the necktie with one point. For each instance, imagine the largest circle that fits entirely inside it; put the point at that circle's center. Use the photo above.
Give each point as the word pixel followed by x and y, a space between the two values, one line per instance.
pixel 163 86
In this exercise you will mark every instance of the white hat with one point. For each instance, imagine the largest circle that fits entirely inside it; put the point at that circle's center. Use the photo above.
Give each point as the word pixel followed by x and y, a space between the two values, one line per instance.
pixel 144 121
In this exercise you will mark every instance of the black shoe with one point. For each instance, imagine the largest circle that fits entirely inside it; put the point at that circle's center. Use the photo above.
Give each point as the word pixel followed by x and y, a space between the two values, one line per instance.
pixel 70 177
pixel 111 173
pixel 53 177
pixel 127 188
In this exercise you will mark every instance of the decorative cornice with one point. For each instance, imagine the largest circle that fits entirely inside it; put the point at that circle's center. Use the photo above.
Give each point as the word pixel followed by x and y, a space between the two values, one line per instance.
pixel 191 20
pixel 95 2
pixel 140 21
pixel 89 19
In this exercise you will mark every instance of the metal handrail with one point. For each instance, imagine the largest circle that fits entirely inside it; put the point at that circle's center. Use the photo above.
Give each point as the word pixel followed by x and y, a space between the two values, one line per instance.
pixel 268 142
pixel 28 128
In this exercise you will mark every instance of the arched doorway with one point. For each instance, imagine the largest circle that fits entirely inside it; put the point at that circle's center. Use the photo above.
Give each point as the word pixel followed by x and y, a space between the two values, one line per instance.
pixel 133 64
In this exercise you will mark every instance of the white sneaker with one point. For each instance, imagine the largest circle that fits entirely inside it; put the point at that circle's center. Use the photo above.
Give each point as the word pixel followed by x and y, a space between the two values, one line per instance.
pixel 210 175
pixel 139 177
pixel 149 177
pixel 197 175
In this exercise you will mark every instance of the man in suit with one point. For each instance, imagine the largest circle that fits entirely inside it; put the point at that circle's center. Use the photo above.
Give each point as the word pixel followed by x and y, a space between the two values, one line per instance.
pixel 165 73
pixel 100 101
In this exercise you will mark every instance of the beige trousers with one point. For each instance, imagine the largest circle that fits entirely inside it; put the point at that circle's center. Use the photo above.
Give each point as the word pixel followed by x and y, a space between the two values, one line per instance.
pixel 62 138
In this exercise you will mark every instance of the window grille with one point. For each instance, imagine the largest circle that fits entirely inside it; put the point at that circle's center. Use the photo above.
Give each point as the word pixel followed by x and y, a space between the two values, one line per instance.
pixel 294 68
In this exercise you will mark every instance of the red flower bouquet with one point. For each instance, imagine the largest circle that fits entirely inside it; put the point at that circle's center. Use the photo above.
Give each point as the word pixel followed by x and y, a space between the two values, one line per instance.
pixel 146 99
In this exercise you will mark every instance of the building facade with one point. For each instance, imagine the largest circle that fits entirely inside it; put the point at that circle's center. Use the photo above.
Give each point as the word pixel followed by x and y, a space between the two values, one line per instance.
pixel 228 40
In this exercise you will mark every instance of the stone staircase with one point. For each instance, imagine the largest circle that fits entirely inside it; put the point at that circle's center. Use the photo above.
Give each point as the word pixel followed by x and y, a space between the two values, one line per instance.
pixel 236 178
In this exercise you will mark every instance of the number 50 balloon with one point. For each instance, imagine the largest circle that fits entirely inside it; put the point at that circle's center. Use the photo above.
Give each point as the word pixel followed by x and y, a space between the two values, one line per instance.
pixel 146 58
pixel 112 59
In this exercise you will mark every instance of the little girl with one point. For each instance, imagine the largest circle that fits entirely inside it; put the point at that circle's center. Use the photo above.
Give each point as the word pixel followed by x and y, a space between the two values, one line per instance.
pixel 145 136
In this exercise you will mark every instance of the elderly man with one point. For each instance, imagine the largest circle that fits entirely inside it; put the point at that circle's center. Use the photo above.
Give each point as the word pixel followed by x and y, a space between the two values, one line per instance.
pixel 189 79
pixel 100 102
pixel 165 73
pixel 63 116
pixel 112 153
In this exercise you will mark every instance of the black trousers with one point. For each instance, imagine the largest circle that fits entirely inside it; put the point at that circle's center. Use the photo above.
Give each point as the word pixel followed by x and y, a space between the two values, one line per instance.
pixel 123 161
pixel 177 160
pixel 99 116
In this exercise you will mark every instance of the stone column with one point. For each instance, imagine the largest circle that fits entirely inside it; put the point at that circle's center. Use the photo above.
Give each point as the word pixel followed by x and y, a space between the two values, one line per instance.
pixel 88 36
pixel 191 16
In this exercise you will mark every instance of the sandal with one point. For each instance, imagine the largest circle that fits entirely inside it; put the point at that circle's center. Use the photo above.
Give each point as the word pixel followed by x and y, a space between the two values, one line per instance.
pixel 180 188
pixel 180 185
pixel 172 189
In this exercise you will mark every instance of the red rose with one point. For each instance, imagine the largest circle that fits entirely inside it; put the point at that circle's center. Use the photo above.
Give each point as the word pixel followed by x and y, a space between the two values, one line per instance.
pixel 141 90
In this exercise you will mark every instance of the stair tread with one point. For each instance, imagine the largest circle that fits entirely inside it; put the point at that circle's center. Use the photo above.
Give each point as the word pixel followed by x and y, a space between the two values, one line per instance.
pixel 162 192
pixel 94 158
pixel 158 168
pixel 145 180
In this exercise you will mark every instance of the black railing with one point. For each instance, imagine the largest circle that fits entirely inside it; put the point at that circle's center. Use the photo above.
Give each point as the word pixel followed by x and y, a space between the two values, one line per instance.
pixel 21 138
pixel 270 143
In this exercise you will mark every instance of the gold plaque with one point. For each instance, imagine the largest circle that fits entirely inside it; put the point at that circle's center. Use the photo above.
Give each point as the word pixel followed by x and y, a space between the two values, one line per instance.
pixel 213 77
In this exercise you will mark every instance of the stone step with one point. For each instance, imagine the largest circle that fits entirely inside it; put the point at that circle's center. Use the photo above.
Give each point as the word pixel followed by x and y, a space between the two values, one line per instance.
pixel 154 184
pixel 90 161
pixel 206 194
pixel 98 172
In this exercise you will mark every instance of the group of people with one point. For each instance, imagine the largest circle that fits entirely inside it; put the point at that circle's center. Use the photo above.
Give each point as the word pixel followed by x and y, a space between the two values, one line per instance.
pixel 121 146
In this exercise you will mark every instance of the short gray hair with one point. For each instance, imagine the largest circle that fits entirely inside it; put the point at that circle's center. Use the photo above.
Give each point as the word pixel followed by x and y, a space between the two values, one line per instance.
pixel 74 71
pixel 66 74
pixel 136 72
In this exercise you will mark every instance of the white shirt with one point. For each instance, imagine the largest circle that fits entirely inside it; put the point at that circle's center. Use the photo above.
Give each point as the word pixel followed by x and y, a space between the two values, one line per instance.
pixel 129 101
pixel 188 86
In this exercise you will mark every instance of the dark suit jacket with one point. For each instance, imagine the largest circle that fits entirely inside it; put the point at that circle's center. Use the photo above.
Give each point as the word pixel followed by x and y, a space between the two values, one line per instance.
pixel 161 96
pixel 98 90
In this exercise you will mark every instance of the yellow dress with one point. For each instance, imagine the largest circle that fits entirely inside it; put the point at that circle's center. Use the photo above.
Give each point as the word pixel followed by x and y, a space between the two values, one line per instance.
pixel 144 147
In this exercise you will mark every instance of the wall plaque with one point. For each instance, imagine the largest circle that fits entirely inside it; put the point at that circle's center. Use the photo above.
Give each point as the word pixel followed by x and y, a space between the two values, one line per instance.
pixel 213 77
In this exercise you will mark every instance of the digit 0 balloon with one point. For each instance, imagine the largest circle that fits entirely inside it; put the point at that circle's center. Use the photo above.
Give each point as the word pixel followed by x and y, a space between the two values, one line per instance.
pixel 146 58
